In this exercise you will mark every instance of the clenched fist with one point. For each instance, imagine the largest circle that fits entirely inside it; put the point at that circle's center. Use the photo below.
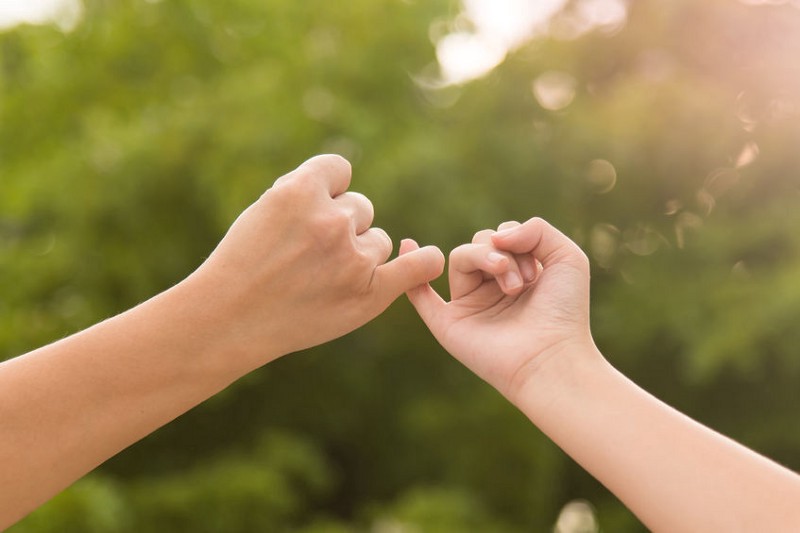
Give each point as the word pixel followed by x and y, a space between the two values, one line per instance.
pixel 303 265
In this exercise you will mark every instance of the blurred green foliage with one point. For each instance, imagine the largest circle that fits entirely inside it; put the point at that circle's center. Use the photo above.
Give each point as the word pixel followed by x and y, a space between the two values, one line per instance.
pixel 129 144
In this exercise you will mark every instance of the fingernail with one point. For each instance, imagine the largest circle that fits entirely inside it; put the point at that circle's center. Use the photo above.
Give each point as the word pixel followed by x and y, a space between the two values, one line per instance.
pixel 512 280
pixel 495 257
pixel 505 232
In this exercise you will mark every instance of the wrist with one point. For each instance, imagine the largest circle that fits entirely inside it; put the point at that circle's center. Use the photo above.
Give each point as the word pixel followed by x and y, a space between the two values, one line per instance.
pixel 203 317
pixel 558 372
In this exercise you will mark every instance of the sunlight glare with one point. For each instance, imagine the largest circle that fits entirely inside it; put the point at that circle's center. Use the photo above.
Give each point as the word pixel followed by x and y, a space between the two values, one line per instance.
pixel 64 13
pixel 510 22
pixel 466 56
pixel 498 27
pixel 794 3
pixel 606 14
pixel 583 16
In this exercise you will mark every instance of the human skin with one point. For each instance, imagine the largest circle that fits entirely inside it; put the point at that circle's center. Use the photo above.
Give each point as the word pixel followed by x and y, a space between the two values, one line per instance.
pixel 299 267
pixel 531 340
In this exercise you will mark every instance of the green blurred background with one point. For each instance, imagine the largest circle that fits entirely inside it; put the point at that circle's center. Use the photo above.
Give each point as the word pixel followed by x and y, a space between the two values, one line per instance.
pixel 666 142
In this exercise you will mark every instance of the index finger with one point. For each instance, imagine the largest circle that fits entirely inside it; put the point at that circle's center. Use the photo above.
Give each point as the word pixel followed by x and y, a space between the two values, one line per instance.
pixel 540 239
pixel 468 263
pixel 331 172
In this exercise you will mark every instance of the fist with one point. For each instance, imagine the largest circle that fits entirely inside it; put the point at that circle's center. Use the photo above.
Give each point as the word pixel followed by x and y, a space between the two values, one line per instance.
pixel 303 265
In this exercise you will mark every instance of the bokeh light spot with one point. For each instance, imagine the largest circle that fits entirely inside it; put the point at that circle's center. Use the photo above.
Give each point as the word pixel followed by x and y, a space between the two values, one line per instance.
pixel 603 243
pixel 554 90
pixel 672 207
pixel 642 240
pixel 601 175
pixel 318 103
pixel 578 516
pixel 685 222
pixel 720 181
pixel 748 154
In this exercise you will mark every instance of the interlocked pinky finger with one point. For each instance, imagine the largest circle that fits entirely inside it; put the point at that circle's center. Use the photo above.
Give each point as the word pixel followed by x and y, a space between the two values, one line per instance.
pixel 484 236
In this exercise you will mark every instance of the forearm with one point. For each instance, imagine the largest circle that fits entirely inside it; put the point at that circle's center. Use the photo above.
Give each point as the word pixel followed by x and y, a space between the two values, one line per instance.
pixel 69 406
pixel 673 473
pixel 281 280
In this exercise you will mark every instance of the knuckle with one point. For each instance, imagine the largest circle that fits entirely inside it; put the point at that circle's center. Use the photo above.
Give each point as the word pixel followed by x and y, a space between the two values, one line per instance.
pixel 383 237
pixel 361 203
pixel 540 224
pixel 330 223
pixel 298 189
pixel 365 202
pixel 332 163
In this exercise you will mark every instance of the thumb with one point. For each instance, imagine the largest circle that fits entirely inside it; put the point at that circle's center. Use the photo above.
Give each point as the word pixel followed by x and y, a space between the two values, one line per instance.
pixel 412 269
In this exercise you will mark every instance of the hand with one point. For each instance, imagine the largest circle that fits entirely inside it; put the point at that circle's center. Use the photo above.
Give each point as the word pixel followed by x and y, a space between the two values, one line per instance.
pixel 519 297
pixel 302 266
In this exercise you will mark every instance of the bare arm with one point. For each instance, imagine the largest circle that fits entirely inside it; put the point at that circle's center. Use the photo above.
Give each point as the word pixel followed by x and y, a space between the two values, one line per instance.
pixel 519 318
pixel 299 267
